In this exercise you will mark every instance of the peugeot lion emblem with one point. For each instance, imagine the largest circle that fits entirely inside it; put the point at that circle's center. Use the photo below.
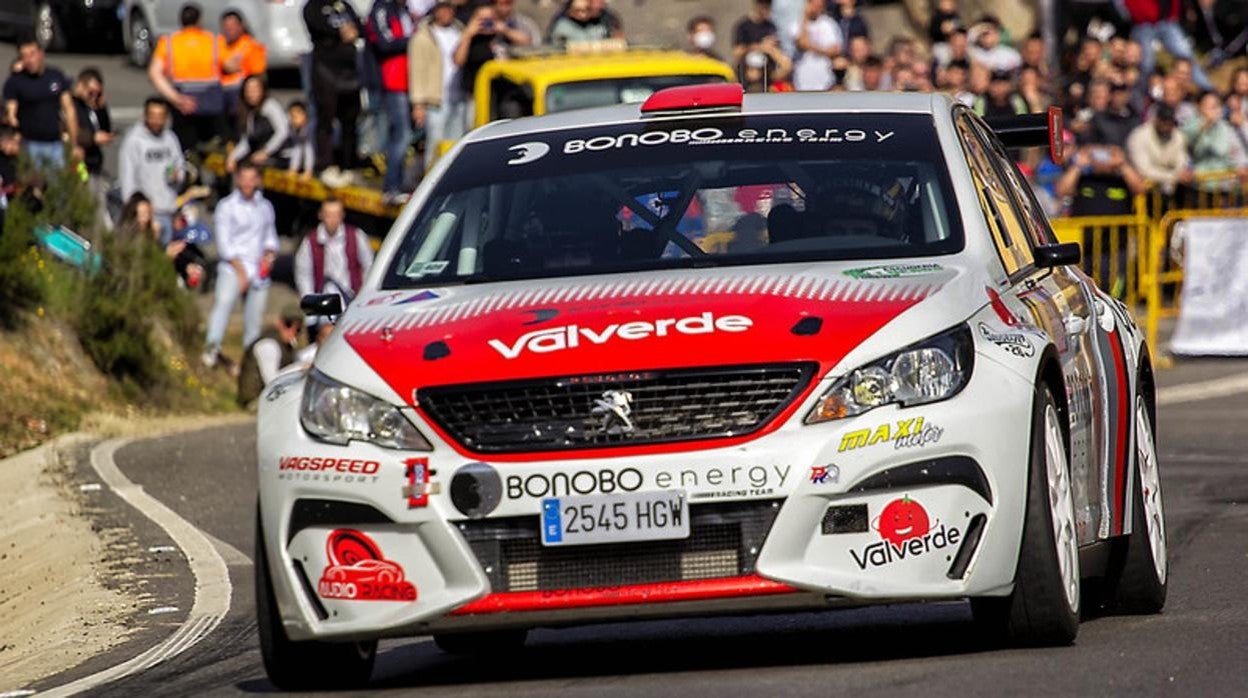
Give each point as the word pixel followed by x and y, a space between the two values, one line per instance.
pixel 614 407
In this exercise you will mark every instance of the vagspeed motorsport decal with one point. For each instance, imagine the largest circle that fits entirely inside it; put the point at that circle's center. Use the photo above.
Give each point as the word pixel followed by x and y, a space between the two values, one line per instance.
pixel 554 339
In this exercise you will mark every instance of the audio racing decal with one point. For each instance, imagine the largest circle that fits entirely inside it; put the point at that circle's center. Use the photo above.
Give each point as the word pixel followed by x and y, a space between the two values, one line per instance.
pixel 356 571
pixel 905 433
pixel 702 482
pixel 1015 343
pixel 571 336
pixel 906 532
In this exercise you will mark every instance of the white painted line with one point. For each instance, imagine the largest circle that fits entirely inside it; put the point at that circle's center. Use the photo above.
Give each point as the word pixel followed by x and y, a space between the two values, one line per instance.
pixel 1204 390
pixel 18 693
pixel 212 578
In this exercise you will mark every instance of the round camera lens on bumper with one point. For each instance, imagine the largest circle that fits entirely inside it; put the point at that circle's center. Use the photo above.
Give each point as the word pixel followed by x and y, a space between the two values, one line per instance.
pixel 476 490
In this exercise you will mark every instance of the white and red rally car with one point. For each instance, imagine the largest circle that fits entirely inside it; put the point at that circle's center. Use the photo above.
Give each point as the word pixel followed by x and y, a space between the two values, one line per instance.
pixel 710 355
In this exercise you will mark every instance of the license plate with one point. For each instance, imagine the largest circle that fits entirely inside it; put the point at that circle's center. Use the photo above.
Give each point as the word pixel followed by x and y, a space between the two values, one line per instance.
pixel 615 518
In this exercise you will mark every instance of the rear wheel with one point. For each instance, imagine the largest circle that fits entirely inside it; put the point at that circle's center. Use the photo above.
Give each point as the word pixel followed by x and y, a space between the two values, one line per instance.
pixel 303 665
pixel 1137 584
pixel 1043 609
pixel 481 643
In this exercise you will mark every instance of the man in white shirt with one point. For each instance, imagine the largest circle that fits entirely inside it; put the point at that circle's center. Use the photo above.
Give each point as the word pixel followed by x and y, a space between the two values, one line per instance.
pixel 818 40
pixel 246 234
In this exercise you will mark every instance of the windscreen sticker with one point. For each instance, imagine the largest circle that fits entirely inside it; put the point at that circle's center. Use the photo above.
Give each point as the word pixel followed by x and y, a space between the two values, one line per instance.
pixel 708 136
pixel 419 269
pixel 892 271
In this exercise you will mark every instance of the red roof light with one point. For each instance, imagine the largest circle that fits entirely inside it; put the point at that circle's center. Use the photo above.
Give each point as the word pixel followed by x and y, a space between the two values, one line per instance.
pixel 713 96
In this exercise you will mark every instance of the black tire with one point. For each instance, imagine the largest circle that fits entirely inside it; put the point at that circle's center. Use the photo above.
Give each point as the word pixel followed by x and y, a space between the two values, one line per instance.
pixel 141 41
pixel 1134 584
pixel 481 643
pixel 48 29
pixel 309 665
pixel 1037 612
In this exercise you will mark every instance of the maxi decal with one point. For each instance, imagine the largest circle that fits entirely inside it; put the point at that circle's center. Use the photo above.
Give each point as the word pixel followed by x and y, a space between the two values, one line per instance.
pixel 906 531
pixel 907 433
pixel 355 570
pixel 1015 343
pixel 735 481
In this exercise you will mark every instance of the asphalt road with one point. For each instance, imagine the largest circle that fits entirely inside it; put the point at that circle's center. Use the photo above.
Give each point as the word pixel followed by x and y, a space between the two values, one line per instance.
pixel 1195 647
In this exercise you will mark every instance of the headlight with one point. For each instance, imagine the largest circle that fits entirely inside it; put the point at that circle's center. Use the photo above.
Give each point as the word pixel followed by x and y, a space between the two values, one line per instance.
pixel 338 414
pixel 932 370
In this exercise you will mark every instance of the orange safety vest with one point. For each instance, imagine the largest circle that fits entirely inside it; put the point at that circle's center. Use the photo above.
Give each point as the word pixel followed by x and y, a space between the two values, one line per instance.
pixel 192 55
pixel 255 60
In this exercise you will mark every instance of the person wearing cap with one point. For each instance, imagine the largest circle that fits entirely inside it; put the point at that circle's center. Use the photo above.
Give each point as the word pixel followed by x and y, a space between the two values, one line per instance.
pixel 986 46
pixel 269 354
pixel 1158 149
pixel 1001 99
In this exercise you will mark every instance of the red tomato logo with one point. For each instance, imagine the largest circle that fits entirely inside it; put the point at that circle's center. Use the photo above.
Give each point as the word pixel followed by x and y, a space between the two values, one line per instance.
pixel 903 519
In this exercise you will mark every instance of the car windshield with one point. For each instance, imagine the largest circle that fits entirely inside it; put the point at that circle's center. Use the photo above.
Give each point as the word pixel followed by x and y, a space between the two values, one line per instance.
pixel 601 93
pixel 684 193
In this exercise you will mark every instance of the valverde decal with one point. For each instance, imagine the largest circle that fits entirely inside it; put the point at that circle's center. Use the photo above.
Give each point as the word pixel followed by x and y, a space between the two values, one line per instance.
pixel 564 337
pixel 327 469
pixel 716 482
pixel 906 532
pixel 1015 343
pixel 905 433
pixel 892 271
pixel 477 314
pixel 357 571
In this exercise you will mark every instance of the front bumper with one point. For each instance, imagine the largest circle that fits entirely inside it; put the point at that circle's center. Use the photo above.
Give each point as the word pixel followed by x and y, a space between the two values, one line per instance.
pixel 897 504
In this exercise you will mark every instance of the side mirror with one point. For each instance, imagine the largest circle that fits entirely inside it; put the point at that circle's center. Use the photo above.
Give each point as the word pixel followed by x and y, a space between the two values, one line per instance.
pixel 1058 255
pixel 321 305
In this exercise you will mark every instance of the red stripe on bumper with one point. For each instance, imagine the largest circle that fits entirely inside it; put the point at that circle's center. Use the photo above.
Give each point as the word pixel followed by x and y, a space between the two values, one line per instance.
pixel 662 592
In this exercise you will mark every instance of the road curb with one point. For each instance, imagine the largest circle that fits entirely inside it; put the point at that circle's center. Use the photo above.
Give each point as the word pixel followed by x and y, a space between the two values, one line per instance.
pixel 212 580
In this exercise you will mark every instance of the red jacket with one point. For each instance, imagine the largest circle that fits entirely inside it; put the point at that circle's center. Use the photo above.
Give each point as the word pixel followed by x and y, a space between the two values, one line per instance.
pixel 1149 11
pixel 388 29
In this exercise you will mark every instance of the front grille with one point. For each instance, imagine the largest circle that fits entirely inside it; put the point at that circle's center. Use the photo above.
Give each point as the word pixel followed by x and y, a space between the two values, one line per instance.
pixel 724 540
pixel 614 410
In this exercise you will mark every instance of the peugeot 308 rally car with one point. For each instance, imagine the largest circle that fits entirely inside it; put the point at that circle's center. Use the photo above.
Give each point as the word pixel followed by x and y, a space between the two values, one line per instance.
pixel 705 355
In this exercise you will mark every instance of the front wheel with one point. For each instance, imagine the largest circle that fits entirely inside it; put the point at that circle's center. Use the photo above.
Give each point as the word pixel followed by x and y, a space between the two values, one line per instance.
pixel 1043 609
pixel 141 42
pixel 48 30
pixel 305 665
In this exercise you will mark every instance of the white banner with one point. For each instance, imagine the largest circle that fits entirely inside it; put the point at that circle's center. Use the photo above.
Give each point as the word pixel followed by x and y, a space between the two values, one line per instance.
pixel 1213 312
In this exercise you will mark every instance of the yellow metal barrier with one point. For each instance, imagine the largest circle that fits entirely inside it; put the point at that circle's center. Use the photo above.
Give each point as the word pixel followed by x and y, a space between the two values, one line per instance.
pixel 1111 247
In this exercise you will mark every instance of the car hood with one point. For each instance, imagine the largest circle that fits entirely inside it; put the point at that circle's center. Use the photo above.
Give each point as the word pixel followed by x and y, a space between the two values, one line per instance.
pixel 584 326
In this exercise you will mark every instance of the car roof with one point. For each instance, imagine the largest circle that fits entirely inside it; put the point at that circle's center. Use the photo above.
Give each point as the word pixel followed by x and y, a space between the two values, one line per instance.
pixel 772 103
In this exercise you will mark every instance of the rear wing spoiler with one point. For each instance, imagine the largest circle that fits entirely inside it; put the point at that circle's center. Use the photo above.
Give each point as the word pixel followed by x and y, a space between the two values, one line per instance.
pixel 1031 130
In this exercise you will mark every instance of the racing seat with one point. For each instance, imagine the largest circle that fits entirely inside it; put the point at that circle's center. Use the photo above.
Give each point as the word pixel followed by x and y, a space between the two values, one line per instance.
pixel 785 223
